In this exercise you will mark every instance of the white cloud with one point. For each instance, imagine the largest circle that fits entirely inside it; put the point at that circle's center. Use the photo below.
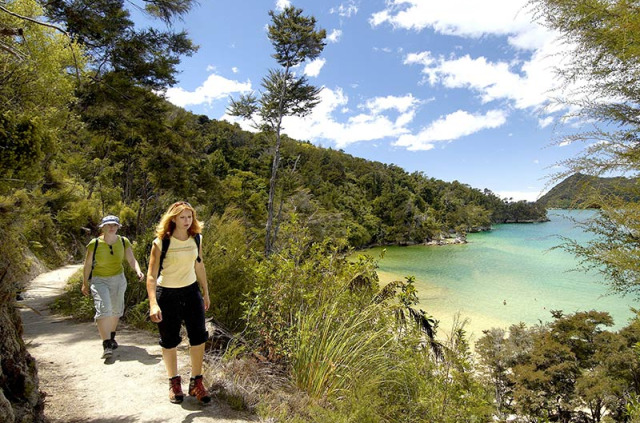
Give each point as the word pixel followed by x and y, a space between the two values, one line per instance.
pixel 214 88
pixel 543 123
pixel 334 36
pixel 211 68
pixel 401 104
pixel 450 128
pixel 313 68
pixel 489 17
pixel 282 4
pixel 527 86
pixel 520 195
pixel 346 10
pixel 380 118
pixel 234 69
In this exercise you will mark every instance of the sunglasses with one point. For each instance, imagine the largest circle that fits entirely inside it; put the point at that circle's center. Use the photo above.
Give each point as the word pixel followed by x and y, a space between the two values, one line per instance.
pixel 111 249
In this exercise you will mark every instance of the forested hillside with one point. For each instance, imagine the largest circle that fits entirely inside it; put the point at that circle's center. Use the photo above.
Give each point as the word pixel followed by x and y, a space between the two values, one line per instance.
pixel 587 191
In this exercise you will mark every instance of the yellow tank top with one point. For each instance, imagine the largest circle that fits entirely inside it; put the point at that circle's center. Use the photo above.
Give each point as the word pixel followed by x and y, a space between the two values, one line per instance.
pixel 178 267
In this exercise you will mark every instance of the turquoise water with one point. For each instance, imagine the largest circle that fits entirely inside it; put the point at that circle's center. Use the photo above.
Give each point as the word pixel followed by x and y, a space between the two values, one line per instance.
pixel 504 276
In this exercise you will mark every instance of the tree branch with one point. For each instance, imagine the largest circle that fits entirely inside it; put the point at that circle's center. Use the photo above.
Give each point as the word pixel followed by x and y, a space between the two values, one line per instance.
pixel 57 28
pixel 11 51
pixel 26 18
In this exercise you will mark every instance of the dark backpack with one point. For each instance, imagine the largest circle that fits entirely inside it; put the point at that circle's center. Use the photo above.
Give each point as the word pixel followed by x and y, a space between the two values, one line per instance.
pixel 165 247
pixel 93 258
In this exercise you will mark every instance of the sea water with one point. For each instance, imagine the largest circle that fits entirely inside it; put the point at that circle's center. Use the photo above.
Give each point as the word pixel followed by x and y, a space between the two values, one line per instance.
pixel 508 275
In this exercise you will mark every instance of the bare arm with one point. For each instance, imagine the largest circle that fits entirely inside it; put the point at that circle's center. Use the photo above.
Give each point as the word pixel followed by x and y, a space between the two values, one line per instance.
pixel 88 262
pixel 133 262
pixel 201 276
pixel 154 264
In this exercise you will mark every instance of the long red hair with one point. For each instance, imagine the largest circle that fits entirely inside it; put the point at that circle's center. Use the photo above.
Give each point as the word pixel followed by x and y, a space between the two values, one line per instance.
pixel 166 226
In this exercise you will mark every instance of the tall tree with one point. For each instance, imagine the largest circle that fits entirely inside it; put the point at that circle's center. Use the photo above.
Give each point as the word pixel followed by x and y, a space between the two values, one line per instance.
pixel 295 39
pixel 602 88
pixel 127 128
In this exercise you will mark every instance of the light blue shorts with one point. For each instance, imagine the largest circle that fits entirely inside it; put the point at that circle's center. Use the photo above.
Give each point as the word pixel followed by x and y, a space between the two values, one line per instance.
pixel 108 295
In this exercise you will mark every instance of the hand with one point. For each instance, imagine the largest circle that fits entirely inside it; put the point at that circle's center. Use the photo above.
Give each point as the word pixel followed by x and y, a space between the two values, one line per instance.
pixel 155 313
pixel 140 275
pixel 207 301
pixel 85 289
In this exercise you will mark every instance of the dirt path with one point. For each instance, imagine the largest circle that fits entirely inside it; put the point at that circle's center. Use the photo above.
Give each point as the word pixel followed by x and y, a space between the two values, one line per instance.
pixel 81 387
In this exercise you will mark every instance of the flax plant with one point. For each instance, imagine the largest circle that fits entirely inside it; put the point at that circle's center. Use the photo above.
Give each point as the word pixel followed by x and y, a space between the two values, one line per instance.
pixel 335 350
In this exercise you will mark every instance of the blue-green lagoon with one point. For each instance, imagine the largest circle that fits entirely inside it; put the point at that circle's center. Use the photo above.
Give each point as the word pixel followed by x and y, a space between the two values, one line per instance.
pixel 504 276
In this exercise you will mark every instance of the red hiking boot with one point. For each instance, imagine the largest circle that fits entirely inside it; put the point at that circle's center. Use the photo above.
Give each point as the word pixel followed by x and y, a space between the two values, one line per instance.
pixel 197 389
pixel 175 390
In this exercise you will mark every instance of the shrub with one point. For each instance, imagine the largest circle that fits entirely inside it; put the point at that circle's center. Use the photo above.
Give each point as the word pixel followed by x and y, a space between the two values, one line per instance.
pixel 229 265
pixel 335 350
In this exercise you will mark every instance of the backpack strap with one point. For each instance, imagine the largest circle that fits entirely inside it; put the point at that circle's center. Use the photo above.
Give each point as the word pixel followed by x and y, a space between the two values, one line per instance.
pixel 93 258
pixel 124 247
pixel 197 238
pixel 163 253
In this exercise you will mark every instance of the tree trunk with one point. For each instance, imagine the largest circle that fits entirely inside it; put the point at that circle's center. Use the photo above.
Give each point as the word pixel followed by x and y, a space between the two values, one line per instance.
pixel 269 240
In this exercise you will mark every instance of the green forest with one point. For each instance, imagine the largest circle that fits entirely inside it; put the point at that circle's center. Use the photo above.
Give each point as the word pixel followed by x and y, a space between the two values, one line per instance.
pixel 578 191
pixel 85 132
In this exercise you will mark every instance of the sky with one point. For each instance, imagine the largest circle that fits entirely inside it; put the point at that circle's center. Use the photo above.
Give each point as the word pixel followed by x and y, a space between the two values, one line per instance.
pixel 456 89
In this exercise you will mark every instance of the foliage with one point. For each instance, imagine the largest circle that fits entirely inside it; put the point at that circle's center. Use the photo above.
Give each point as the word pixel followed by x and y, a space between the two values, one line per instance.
pixel 302 276
pixel 73 303
pixel 229 265
pixel 577 190
pixel 601 78
pixel 35 89
pixel 344 339
pixel 334 351
pixel 571 369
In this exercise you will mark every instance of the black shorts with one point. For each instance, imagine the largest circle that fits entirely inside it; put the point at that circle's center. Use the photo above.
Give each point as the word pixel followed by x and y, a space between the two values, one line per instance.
pixel 178 305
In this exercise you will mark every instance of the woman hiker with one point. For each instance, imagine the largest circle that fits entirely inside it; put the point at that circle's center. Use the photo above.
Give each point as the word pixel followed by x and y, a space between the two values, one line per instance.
pixel 178 291
pixel 104 277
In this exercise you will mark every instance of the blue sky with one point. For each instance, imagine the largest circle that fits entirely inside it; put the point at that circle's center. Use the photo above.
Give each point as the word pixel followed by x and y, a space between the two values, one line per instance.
pixel 456 89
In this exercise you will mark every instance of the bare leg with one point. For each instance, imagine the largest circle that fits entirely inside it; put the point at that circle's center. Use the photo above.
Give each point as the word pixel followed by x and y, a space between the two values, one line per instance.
pixel 106 325
pixel 170 358
pixel 115 322
pixel 197 356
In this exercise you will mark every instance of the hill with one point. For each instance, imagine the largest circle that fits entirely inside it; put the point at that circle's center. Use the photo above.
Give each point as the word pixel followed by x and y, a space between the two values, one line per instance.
pixel 580 191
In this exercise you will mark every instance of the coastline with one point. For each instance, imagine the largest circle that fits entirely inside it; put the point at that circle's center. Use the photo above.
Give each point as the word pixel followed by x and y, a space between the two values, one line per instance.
pixel 475 323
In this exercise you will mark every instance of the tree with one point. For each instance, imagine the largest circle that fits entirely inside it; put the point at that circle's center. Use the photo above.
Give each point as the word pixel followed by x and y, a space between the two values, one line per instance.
pixel 602 88
pixel 35 88
pixel 295 40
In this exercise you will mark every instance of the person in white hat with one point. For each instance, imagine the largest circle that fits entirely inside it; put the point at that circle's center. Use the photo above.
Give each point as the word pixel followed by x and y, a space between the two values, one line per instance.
pixel 104 279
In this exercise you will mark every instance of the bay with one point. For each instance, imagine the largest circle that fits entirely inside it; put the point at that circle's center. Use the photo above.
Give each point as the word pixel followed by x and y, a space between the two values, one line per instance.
pixel 508 275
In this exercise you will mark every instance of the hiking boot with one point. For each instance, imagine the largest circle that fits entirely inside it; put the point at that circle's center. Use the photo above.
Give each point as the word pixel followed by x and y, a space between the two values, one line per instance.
pixel 197 389
pixel 175 390
pixel 114 344
pixel 108 350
